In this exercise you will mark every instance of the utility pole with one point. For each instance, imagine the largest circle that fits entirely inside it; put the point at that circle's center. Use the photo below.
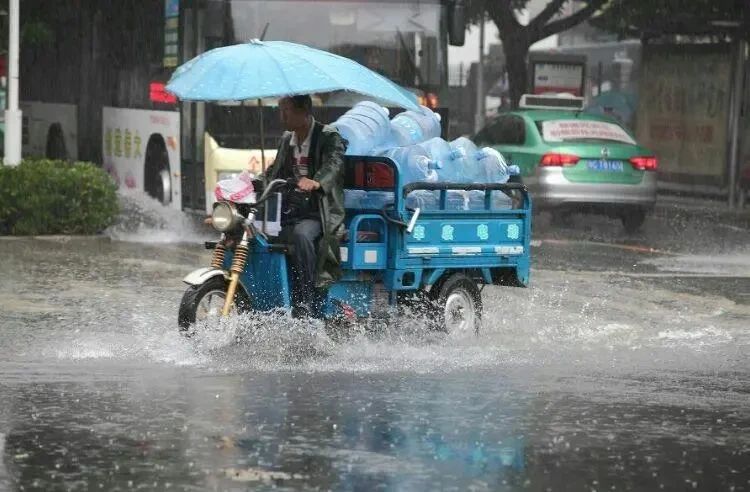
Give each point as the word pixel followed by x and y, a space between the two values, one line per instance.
pixel 13 116
pixel 737 95
pixel 734 119
pixel 479 116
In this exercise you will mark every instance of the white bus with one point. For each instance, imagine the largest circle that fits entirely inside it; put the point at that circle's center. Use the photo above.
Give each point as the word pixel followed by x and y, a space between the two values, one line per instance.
pixel 92 88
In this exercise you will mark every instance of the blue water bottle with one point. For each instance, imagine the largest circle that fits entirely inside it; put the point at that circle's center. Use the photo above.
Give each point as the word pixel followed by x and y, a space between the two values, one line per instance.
pixel 376 200
pixel 413 127
pixel 414 163
pixel 364 127
pixel 467 159
pixel 445 158
pixel 423 199
pixel 491 166
pixel 353 198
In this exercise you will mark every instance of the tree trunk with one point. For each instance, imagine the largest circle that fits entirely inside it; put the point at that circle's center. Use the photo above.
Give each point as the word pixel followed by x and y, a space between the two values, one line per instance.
pixel 515 63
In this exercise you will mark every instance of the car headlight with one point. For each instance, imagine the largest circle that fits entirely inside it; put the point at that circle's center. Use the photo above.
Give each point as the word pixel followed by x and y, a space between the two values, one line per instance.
pixel 224 217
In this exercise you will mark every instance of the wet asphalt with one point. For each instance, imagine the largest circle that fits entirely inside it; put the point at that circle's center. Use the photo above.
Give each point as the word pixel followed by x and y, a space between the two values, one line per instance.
pixel 624 366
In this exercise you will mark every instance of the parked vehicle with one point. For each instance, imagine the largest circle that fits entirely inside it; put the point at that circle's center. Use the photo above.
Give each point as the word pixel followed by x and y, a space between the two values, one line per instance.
pixel 437 258
pixel 574 161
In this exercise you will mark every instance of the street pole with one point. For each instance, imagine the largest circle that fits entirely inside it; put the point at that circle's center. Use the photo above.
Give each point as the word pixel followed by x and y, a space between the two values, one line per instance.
pixel 479 117
pixel 13 116
pixel 734 123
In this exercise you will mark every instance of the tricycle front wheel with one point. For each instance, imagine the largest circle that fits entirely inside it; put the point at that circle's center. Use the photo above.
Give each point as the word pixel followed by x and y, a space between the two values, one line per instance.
pixel 205 301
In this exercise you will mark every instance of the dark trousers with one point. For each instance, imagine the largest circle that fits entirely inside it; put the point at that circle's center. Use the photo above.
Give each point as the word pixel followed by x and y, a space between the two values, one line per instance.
pixel 303 236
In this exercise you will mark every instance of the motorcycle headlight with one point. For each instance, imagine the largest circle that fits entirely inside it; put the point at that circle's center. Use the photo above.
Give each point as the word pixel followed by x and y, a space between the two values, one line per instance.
pixel 224 217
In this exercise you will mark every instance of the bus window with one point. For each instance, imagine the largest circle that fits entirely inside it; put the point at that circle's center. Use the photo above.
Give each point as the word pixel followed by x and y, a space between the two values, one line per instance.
pixel 401 40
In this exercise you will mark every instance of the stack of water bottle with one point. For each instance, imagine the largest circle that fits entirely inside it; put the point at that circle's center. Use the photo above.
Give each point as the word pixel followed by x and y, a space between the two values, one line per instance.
pixel 412 139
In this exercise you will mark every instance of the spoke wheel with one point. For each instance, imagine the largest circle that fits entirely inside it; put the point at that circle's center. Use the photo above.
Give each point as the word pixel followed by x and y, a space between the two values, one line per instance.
pixel 210 305
pixel 459 304
pixel 459 312
pixel 204 302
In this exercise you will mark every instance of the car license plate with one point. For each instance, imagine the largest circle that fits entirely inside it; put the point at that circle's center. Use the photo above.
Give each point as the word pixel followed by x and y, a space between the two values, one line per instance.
pixel 605 166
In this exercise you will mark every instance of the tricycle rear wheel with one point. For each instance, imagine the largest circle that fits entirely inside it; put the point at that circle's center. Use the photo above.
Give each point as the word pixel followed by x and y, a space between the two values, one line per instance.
pixel 458 303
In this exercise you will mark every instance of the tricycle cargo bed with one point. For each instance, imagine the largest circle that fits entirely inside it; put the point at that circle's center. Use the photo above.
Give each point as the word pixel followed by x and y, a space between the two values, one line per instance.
pixel 414 247
pixel 444 233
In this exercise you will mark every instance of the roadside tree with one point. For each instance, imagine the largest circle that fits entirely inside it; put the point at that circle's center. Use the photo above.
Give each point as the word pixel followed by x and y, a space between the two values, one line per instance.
pixel 517 38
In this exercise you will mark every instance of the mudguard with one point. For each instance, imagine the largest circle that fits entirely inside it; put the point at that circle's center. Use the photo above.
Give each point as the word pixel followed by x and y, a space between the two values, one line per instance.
pixel 202 275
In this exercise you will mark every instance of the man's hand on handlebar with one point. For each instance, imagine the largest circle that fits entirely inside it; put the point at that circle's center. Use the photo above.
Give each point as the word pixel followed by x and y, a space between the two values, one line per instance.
pixel 307 184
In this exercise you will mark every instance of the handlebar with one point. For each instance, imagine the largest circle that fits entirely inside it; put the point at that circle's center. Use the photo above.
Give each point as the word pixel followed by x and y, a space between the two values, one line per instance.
pixel 267 190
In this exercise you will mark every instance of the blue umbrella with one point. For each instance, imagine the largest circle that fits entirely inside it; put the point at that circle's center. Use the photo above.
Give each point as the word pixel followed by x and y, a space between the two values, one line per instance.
pixel 261 69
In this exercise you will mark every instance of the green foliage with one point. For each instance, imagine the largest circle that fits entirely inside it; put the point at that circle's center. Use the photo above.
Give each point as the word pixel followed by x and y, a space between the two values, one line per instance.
pixel 33 34
pixel 517 38
pixel 56 197
pixel 37 33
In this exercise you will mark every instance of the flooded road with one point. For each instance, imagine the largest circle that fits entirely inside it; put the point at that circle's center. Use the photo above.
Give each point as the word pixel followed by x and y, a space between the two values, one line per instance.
pixel 624 366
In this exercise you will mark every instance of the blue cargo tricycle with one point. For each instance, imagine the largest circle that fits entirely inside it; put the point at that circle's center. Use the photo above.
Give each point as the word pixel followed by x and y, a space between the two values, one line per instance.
pixel 435 257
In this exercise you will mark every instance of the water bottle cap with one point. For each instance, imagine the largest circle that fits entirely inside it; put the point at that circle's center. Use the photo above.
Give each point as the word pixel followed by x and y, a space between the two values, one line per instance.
pixel 433 164
pixel 456 153
pixel 423 160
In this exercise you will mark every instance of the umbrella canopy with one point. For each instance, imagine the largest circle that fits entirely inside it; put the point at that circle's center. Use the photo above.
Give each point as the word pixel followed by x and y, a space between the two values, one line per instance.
pixel 261 69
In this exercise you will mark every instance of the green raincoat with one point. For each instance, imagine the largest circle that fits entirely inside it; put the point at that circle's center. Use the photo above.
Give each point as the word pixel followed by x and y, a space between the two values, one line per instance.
pixel 327 168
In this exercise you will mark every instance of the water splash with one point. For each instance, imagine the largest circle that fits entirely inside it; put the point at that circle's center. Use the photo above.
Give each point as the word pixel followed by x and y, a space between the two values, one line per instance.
pixel 145 220
pixel 275 341
pixel 118 308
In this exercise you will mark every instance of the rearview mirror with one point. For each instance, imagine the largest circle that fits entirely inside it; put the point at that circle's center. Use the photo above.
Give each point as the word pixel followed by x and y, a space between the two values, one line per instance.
pixel 457 23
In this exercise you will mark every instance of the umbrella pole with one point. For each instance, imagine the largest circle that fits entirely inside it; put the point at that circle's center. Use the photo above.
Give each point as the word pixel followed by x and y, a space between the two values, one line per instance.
pixel 262 138
pixel 262 156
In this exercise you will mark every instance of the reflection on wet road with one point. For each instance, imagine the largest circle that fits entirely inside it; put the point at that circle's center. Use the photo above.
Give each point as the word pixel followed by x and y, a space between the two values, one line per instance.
pixel 619 368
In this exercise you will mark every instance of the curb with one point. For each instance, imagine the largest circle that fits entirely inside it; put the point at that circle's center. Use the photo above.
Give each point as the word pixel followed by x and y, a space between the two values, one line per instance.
pixel 59 238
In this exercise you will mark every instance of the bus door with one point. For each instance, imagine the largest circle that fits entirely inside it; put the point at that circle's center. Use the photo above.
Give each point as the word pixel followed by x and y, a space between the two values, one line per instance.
pixel 192 115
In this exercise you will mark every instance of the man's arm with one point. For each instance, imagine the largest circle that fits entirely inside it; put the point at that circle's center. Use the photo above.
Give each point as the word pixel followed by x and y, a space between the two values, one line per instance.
pixel 329 175
pixel 271 170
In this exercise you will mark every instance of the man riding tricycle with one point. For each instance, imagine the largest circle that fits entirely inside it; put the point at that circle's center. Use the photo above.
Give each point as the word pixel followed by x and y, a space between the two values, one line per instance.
pixel 389 257
pixel 355 237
